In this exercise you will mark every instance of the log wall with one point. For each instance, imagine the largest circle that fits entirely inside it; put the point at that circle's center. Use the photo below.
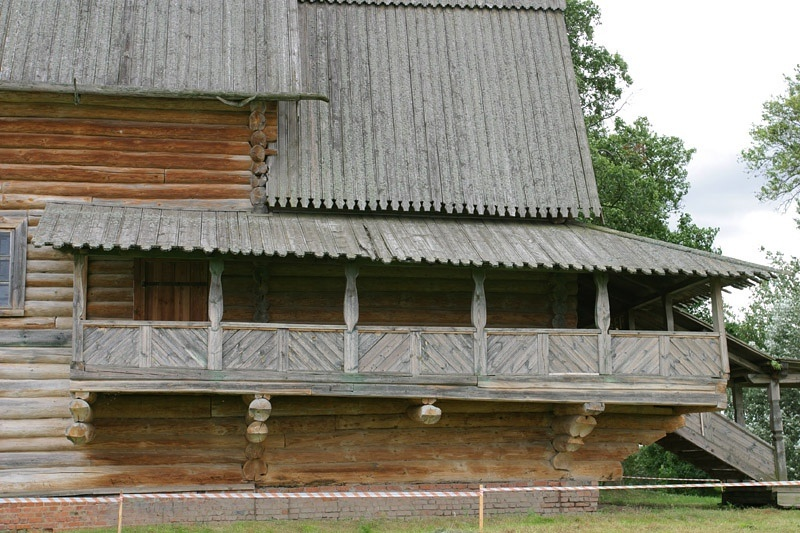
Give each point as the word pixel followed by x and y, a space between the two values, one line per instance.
pixel 166 441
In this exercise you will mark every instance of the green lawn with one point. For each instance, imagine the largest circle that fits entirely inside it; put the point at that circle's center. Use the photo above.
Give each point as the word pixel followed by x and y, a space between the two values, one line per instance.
pixel 623 511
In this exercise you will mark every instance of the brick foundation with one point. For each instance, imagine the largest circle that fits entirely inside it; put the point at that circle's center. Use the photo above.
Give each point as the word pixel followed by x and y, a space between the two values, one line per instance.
pixel 60 516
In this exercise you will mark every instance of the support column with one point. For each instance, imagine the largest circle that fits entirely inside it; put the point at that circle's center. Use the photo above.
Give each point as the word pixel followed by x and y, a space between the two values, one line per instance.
pixel 602 319
pixel 479 322
pixel 669 316
pixel 718 319
pixel 215 308
pixel 738 404
pixel 776 425
pixel 80 266
pixel 351 319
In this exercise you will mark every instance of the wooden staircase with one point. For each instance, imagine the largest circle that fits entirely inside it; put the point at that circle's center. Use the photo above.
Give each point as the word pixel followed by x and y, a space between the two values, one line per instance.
pixel 726 451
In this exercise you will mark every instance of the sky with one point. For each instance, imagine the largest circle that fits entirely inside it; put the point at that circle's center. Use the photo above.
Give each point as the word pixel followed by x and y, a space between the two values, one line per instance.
pixel 702 70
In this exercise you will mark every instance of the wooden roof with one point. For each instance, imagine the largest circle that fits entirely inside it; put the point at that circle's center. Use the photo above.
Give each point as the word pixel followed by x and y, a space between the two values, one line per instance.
pixel 391 238
pixel 184 47
pixel 443 110
pixel 501 4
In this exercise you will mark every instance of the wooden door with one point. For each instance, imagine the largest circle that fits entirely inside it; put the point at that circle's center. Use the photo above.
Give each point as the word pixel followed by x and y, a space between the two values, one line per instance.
pixel 171 290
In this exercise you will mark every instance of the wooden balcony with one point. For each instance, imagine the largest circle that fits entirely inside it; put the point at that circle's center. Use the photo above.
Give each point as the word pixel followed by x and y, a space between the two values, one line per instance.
pixel 669 368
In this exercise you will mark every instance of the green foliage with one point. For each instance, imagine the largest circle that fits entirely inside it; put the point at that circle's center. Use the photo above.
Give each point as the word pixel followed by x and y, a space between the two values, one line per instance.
pixel 775 149
pixel 655 461
pixel 641 175
pixel 772 323
pixel 601 75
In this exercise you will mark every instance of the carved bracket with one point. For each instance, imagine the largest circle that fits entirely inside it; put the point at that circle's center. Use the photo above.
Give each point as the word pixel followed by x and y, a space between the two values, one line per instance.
pixel 570 425
pixel 258 411
pixel 426 413
pixel 81 431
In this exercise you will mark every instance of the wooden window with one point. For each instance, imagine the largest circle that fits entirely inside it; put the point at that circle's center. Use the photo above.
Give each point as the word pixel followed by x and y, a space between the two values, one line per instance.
pixel 13 247
pixel 171 290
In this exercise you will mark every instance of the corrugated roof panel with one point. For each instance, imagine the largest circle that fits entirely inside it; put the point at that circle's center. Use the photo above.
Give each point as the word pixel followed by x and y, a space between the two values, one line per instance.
pixel 237 48
pixel 461 110
pixel 502 242
pixel 499 4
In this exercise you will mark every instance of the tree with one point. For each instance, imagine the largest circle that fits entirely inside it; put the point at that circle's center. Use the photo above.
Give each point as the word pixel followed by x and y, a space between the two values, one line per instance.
pixel 772 323
pixel 641 175
pixel 775 148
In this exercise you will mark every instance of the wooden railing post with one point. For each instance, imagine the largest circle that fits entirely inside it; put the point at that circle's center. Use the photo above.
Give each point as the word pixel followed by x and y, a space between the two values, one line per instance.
pixel 78 305
pixel 718 318
pixel 776 424
pixel 602 318
pixel 215 308
pixel 479 322
pixel 351 319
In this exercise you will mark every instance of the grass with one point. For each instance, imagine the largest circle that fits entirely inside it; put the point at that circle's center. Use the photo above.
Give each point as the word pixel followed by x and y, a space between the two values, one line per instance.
pixel 620 511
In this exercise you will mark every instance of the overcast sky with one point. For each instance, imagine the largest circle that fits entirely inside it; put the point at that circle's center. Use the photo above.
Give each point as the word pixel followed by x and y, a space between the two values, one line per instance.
pixel 701 71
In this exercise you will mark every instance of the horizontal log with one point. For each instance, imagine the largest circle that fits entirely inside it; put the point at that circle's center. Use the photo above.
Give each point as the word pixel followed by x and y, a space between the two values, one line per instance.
pixel 152 406
pixel 110 265
pixel 28 322
pixel 48 266
pixel 30 408
pixel 37 444
pixel 121 294
pixel 59 294
pixel 124 128
pixel 36 201
pixel 54 110
pixel 105 310
pixel 114 191
pixel 33 355
pixel 25 337
pixel 34 371
pixel 45 427
pixel 620 421
pixel 200 177
pixel 48 308
pixel 45 480
pixel 53 141
pixel 111 158
pixel 469 420
pixel 48 279
pixel 46 252
pixel 411 471
pixel 34 388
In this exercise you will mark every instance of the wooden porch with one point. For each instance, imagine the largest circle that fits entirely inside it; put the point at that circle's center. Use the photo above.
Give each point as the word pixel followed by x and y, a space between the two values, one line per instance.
pixel 672 368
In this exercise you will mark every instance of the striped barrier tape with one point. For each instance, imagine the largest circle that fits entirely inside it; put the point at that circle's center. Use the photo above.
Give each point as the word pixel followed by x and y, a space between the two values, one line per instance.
pixel 385 494
pixel 698 480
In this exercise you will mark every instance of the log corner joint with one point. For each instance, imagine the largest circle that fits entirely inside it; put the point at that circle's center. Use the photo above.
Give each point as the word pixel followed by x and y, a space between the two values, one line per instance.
pixel 81 431
pixel 258 412
pixel 570 425
pixel 425 413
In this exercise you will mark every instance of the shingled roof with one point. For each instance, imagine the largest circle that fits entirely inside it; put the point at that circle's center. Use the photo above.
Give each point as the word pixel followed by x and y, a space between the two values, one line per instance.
pixel 390 239
pixel 155 47
pixel 444 110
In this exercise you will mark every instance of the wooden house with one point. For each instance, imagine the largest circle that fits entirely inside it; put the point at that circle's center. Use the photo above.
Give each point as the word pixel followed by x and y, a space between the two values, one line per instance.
pixel 364 216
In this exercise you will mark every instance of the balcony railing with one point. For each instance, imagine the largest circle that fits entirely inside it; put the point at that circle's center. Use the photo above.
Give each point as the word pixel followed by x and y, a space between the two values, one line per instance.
pixel 400 351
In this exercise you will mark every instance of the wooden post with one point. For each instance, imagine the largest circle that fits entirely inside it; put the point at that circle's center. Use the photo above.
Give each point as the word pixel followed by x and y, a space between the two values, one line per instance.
pixel 602 319
pixel 261 278
pixel 776 424
pixel 215 308
pixel 351 319
pixel 718 318
pixel 78 305
pixel 738 404
pixel 668 312
pixel 479 322
pixel 119 514
pixel 480 508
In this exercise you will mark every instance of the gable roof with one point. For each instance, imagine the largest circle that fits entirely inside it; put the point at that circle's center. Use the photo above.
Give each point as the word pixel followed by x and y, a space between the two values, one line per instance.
pixel 153 47
pixel 442 110
pixel 402 239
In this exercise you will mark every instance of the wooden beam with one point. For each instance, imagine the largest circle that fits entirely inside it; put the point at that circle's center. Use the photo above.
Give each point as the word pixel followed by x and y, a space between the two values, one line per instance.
pixel 718 321
pixel 79 304
pixel 479 321
pixel 738 403
pixel 351 312
pixel 602 319
pixel 668 312
pixel 215 307
pixel 776 425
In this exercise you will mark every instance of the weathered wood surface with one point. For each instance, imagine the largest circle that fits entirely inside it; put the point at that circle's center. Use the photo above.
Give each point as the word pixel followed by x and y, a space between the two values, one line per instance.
pixel 108 148
pixel 730 443
pixel 163 440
